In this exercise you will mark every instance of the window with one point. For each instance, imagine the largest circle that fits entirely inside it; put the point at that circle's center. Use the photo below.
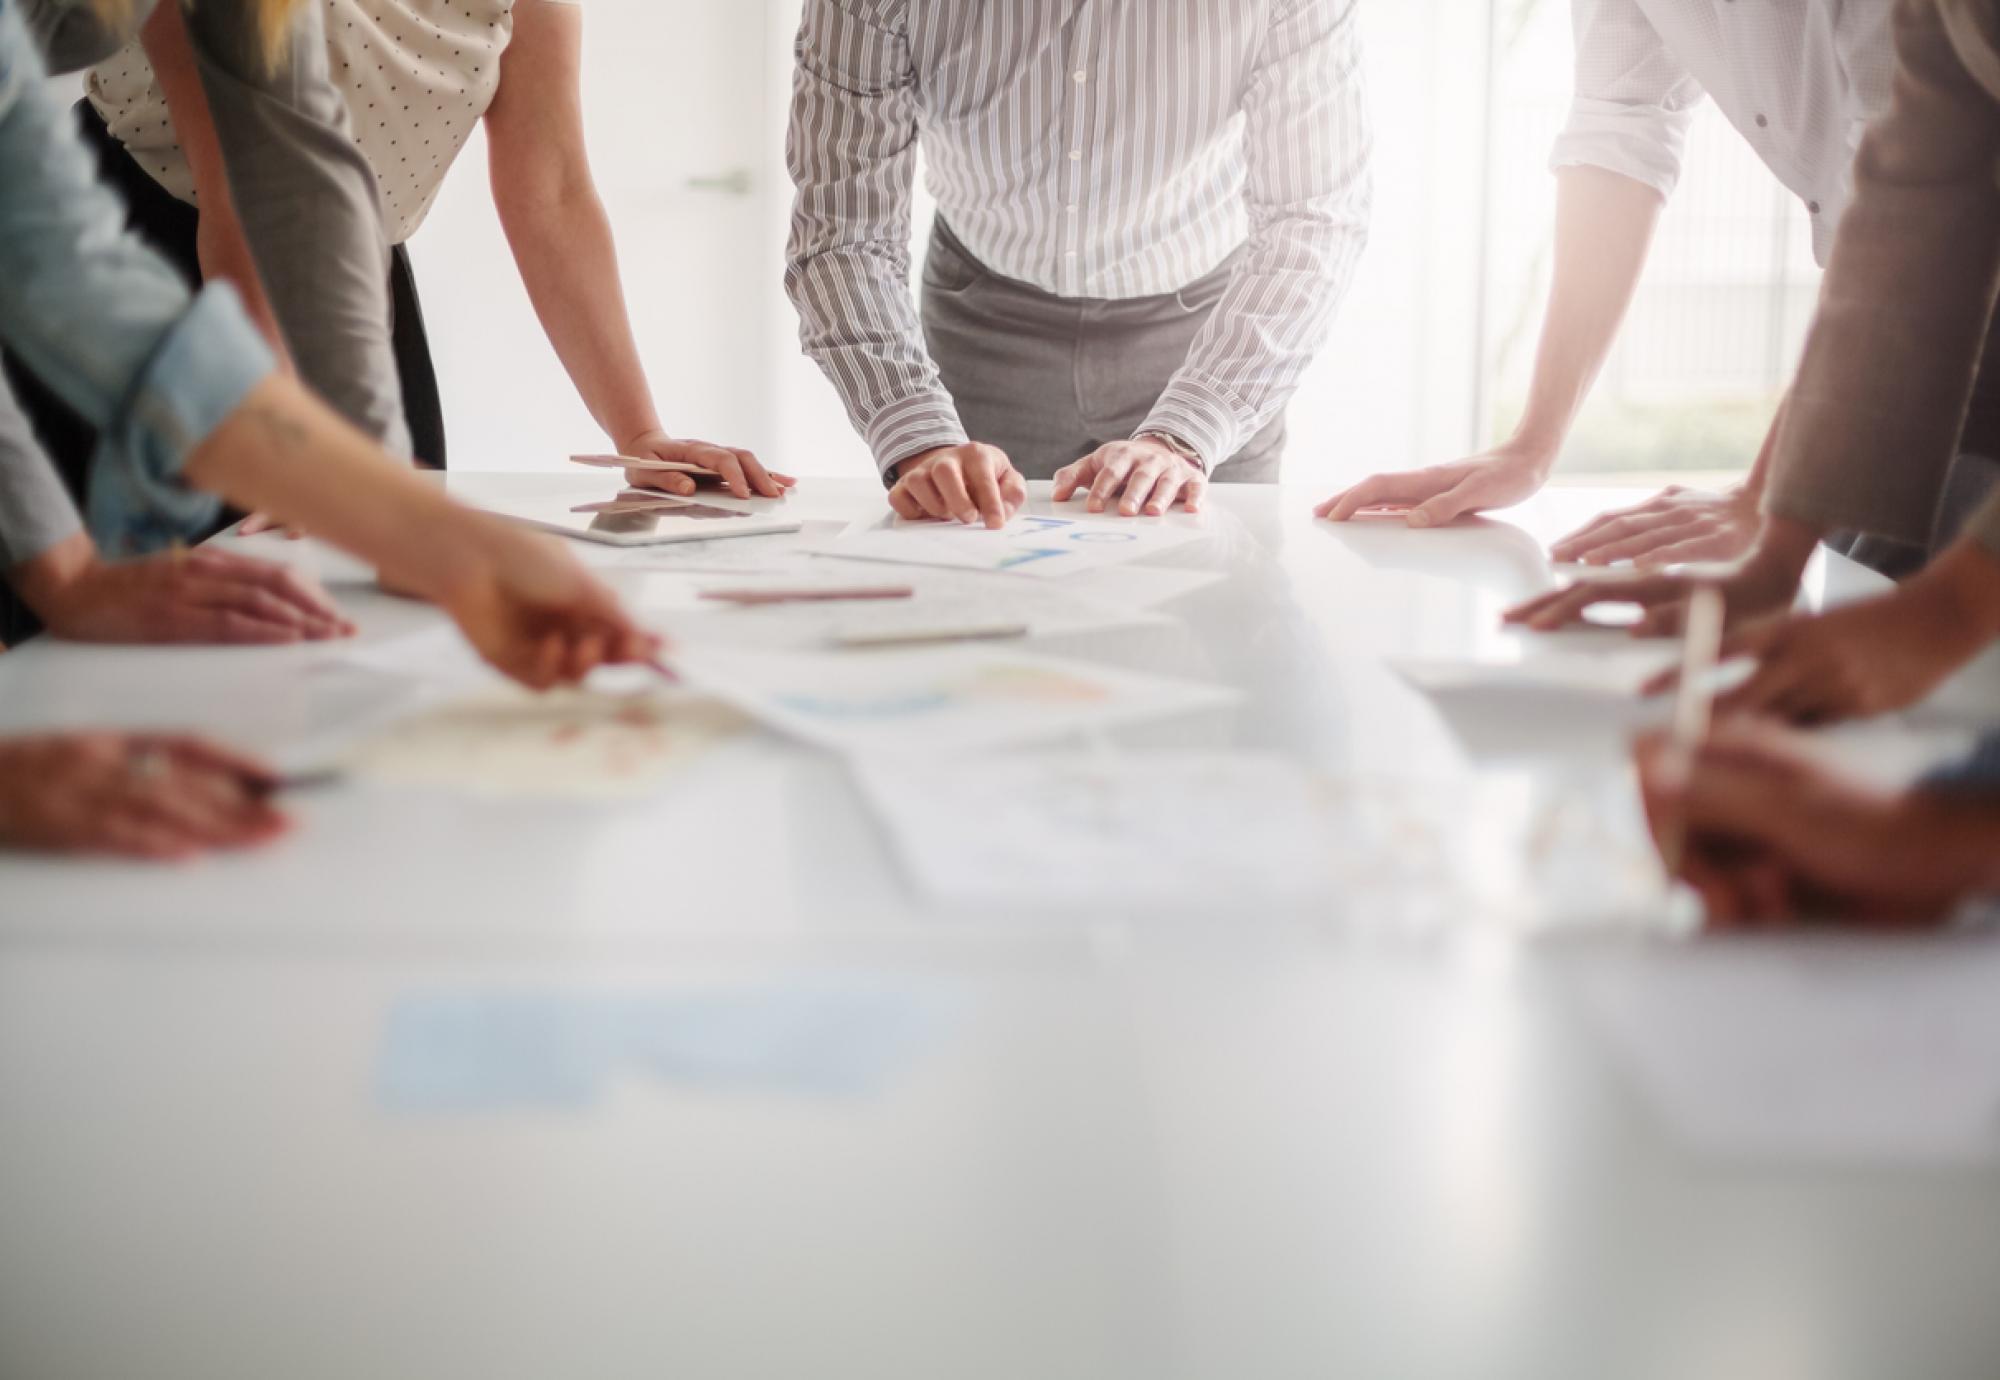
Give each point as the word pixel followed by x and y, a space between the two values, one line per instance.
pixel 1719 321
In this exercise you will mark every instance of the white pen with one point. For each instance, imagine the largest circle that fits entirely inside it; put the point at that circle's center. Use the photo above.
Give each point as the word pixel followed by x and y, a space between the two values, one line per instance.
pixel 1694 708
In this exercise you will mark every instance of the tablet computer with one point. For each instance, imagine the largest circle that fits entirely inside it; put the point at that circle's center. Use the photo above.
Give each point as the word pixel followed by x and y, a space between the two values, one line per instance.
pixel 619 516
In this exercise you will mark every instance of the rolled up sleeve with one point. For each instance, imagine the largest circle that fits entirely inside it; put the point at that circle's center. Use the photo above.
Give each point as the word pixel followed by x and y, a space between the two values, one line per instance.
pixel 107 325
pixel 851 150
pixel 1634 102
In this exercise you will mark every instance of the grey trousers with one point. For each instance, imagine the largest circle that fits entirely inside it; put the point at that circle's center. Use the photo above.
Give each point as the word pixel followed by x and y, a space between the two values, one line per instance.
pixel 1050 379
pixel 307 198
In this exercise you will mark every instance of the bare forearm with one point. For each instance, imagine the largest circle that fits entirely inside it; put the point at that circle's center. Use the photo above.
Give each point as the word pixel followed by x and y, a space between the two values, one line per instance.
pixel 1604 229
pixel 285 453
pixel 1760 473
pixel 569 265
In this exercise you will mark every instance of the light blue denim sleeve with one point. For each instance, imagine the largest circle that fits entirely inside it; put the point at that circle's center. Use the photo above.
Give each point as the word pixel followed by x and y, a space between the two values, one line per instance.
pixel 105 322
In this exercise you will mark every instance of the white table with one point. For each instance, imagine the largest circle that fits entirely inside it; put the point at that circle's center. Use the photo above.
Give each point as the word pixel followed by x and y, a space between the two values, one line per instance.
pixel 1223 1145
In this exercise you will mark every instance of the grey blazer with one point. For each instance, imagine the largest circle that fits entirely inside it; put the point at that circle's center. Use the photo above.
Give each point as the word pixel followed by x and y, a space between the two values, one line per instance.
pixel 308 200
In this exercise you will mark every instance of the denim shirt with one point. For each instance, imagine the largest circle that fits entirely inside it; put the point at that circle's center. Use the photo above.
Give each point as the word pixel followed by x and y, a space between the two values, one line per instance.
pixel 105 322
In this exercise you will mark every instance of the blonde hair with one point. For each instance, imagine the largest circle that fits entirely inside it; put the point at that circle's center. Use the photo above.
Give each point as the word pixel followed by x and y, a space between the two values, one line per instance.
pixel 115 13
pixel 271 20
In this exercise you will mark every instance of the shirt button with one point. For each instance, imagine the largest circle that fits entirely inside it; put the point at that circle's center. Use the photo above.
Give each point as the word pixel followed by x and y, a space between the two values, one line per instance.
pixel 1076 155
pixel 1079 77
pixel 1762 123
pixel 1813 206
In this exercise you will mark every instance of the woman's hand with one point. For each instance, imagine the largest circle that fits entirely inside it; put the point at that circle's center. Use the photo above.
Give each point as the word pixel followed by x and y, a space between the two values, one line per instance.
pixel 739 470
pixel 1442 494
pixel 534 613
pixel 136 795
pixel 187 596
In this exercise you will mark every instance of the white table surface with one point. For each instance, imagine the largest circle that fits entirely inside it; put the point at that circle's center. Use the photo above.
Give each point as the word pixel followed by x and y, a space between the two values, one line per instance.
pixel 1207 1145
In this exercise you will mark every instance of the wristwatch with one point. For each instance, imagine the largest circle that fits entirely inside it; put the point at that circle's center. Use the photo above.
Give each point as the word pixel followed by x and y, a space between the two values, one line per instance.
pixel 1177 446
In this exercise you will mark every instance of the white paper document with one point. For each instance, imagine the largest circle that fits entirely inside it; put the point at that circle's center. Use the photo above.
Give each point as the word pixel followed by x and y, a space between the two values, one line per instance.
pixel 573 744
pixel 941 602
pixel 1234 833
pixel 936 701
pixel 1620 672
pixel 1080 830
pixel 786 553
pixel 1836 1054
pixel 1042 547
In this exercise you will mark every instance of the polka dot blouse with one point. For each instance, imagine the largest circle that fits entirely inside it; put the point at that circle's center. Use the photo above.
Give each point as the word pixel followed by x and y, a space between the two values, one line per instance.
pixel 417 75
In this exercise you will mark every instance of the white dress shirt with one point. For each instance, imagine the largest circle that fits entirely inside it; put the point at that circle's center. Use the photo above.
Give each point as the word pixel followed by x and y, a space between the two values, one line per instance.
pixel 1095 149
pixel 1799 79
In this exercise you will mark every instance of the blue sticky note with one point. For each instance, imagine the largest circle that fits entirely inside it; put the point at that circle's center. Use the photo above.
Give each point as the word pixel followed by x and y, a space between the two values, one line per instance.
pixel 482 1050
pixel 476 1051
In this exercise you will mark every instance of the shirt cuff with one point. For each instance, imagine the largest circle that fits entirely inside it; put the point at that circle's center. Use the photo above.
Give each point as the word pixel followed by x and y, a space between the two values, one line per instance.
pixel 204 367
pixel 1985 526
pixel 912 426
pixel 1205 415
pixel 1644 143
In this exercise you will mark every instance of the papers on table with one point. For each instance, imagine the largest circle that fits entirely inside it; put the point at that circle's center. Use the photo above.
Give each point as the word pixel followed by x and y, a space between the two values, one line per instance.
pixel 1818 1053
pixel 1043 547
pixel 779 553
pixel 936 701
pixel 574 744
pixel 1237 833
pixel 1080 830
pixel 509 1050
pixel 1612 671
pixel 943 604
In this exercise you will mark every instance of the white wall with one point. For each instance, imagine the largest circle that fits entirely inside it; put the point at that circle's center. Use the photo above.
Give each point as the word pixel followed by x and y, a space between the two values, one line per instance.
pixel 679 89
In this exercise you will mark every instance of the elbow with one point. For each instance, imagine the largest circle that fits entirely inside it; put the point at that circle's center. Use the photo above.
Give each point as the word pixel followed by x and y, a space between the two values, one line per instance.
pixel 550 195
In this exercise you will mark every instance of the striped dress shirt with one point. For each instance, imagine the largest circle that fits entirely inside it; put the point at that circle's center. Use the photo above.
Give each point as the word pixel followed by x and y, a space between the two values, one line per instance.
pixel 1106 149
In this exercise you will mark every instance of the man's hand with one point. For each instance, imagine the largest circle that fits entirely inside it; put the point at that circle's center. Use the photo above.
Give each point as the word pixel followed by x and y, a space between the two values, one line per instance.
pixel 972 484
pixel 1443 494
pixel 1675 527
pixel 1771 837
pixel 1765 583
pixel 741 472
pixel 1150 475
pixel 192 596
pixel 1873 657
pixel 142 796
